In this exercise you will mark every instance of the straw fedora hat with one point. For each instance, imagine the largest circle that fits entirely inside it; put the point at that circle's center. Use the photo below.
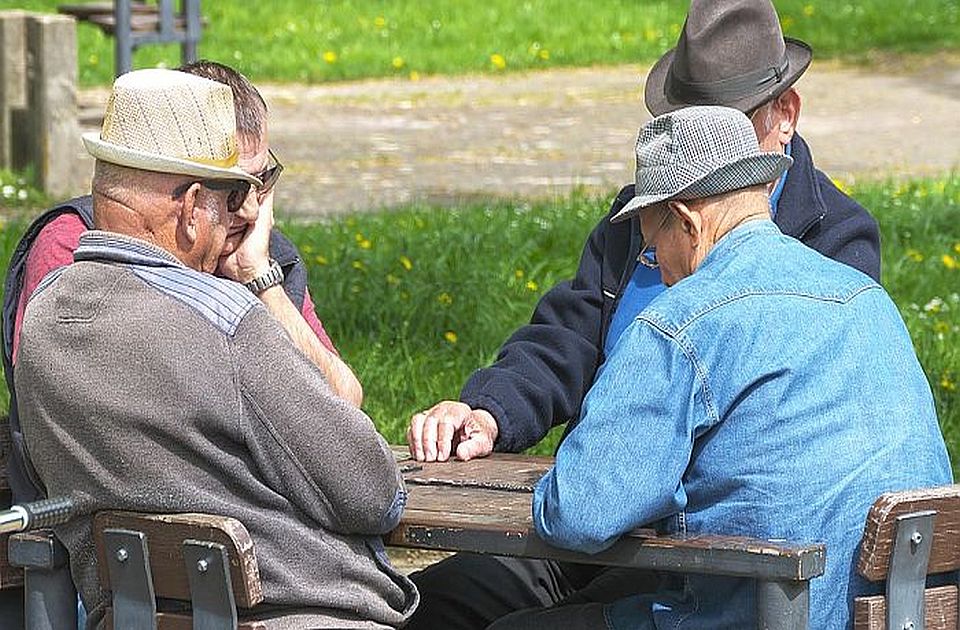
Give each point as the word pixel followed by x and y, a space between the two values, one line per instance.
pixel 730 52
pixel 170 122
pixel 699 152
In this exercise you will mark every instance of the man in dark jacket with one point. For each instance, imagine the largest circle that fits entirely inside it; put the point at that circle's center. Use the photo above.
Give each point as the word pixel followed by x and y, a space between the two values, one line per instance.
pixel 731 53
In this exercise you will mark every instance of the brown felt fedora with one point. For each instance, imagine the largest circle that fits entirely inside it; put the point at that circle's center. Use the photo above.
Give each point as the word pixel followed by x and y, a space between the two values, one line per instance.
pixel 730 52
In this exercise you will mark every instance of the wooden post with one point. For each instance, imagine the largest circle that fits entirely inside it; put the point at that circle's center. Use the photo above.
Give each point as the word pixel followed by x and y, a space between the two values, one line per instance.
pixel 52 126
pixel 13 79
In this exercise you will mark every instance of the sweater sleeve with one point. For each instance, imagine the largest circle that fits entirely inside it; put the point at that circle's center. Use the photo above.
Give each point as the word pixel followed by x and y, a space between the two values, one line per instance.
pixel 544 369
pixel 322 454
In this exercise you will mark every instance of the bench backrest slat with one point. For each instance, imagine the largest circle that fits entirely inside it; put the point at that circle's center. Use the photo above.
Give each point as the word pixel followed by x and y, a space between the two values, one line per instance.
pixel 165 534
pixel 880 528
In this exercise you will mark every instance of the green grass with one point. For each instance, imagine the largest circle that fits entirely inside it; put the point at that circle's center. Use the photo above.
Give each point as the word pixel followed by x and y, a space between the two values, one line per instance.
pixel 478 271
pixel 316 41
pixel 416 299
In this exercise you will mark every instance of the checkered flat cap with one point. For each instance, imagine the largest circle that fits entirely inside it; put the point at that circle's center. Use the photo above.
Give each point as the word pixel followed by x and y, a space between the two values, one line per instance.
pixel 698 152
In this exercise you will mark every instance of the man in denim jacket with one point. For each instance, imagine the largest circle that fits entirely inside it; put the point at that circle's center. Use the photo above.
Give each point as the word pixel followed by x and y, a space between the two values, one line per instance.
pixel 544 370
pixel 769 392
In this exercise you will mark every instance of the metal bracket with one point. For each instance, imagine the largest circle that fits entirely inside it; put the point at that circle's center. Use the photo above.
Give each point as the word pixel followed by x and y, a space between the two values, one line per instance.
pixel 50 600
pixel 134 600
pixel 211 591
pixel 907 577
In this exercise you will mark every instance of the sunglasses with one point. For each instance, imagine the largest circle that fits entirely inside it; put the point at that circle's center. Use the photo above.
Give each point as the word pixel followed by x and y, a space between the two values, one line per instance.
pixel 239 190
pixel 648 255
pixel 268 176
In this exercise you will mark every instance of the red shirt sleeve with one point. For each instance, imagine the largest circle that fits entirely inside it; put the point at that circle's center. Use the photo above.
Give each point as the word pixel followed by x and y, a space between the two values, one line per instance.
pixel 52 249
pixel 309 314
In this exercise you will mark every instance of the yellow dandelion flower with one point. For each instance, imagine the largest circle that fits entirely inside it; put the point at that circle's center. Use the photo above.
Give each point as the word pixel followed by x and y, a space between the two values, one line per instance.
pixel 518 274
pixel 787 22
pixel 406 263
pixel 330 56
pixel 414 76
pixel 379 21
pixel 358 265
pixel 544 54
pixel 307 249
pixel 392 279
pixel 941 327
pixel 365 244
pixel 444 299
pixel 498 61
pixel 398 62
pixel 809 10
pixel 531 285
pixel 947 383
pixel 914 255
pixel 949 261
pixel 450 336
pixel 956 248
pixel 321 260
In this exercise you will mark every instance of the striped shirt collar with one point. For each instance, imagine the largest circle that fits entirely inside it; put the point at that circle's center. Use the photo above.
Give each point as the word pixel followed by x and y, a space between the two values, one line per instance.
pixel 100 245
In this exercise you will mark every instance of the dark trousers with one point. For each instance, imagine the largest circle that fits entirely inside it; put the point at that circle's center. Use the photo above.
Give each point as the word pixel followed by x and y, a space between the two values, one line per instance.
pixel 469 591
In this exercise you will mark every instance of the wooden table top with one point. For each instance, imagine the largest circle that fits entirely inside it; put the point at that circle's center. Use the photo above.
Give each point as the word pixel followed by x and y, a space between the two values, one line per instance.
pixel 484 506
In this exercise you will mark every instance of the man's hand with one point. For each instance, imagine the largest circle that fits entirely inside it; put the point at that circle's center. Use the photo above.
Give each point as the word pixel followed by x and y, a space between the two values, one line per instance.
pixel 251 258
pixel 449 425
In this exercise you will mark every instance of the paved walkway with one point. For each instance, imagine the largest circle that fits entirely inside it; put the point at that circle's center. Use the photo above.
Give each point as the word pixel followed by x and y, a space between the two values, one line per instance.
pixel 374 144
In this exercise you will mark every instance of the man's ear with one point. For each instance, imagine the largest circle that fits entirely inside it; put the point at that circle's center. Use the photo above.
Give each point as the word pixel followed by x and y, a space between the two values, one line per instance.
pixel 691 222
pixel 188 215
pixel 788 113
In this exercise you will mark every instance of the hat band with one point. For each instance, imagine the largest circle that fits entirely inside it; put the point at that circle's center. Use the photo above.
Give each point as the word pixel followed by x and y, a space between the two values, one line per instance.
pixel 725 90
pixel 227 162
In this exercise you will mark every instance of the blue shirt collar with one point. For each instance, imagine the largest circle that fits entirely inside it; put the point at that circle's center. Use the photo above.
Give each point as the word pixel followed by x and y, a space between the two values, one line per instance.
pixel 778 189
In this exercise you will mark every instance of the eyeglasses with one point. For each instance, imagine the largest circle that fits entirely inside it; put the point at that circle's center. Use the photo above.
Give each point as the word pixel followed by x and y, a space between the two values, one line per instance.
pixel 269 177
pixel 648 255
pixel 238 190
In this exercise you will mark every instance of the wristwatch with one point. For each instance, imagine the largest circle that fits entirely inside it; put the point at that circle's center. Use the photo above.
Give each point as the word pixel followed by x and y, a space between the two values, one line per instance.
pixel 271 278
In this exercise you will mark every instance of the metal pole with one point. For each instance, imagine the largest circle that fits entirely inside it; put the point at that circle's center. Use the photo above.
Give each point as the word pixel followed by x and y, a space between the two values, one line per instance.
pixel 122 37
pixel 49 599
pixel 783 605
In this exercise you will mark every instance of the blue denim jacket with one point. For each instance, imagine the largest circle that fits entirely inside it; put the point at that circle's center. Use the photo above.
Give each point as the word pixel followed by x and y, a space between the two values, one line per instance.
pixel 774 393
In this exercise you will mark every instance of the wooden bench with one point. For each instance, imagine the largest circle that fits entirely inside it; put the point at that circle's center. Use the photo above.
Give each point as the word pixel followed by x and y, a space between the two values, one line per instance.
pixel 908 536
pixel 205 564
pixel 134 23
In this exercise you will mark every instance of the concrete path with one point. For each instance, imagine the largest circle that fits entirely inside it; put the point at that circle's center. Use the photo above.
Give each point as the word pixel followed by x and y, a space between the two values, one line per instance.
pixel 374 144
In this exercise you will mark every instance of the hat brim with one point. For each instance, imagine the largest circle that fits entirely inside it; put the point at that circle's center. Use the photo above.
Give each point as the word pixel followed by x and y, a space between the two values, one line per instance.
pixel 748 171
pixel 133 158
pixel 799 56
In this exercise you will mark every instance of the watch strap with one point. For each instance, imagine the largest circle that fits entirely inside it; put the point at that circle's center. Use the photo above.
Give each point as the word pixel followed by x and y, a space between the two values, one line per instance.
pixel 271 278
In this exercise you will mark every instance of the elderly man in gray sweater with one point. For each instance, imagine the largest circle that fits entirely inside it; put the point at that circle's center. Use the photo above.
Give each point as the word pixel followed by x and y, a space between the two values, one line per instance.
pixel 148 384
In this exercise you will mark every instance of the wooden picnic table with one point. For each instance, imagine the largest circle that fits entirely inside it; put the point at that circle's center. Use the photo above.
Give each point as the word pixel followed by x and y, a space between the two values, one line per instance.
pixel 484 506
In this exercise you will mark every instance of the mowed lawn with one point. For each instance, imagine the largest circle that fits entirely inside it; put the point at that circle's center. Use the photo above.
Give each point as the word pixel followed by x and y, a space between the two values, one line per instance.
pixel 418 298
pixel 316 41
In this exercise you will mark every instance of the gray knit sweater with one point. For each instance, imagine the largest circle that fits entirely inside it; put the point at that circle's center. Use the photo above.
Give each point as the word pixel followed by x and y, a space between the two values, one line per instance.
pixel 144 385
